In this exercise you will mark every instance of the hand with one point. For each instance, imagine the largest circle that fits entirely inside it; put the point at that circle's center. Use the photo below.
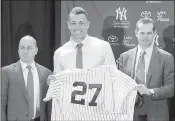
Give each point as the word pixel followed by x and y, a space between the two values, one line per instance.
pixel 50 77
pixel 142 89
pixel 137 99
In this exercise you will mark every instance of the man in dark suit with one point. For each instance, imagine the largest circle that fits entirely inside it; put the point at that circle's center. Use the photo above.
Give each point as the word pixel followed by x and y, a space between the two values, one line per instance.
pixel 151 67
pixel 24 86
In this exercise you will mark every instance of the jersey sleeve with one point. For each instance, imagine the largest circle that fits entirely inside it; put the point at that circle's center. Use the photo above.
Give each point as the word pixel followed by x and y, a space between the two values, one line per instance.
pixel 53 91
pixel 55 85
pixel 125 89
pixel 127 108
pixel 123 79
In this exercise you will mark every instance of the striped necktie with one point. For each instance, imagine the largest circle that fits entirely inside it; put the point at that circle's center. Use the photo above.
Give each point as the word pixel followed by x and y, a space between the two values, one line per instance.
pixel 79 59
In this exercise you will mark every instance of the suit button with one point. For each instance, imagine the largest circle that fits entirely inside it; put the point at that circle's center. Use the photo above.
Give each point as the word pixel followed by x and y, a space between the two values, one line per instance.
pixel 27 114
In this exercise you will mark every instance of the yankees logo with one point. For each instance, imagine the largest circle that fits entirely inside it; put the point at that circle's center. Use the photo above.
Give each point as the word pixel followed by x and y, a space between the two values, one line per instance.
pixel 121 13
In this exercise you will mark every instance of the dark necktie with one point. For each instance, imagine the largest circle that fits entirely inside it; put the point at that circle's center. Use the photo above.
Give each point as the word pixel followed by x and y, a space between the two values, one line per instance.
pixel 140 71
pixel 79 59
pixel 30 90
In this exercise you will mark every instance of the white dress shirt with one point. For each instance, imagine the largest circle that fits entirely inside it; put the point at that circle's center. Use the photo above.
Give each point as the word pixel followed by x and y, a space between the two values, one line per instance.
pixel 36 83
pixel 95 52
pixel 147 58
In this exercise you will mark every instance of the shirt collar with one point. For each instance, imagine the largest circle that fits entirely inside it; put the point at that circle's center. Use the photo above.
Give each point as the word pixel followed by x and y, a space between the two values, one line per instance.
pixel 147 50
pixel 24 65
pixel 84 42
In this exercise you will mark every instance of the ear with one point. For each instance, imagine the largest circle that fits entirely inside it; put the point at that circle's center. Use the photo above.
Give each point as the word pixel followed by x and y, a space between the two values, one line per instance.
pixel 68 24
pixel 155 34
pixel 89 24
pixel 136 32
pixel 18 48
pixel 36 50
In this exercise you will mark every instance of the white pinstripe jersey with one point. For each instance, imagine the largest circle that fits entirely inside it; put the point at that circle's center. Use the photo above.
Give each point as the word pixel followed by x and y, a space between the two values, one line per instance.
pixel 102 93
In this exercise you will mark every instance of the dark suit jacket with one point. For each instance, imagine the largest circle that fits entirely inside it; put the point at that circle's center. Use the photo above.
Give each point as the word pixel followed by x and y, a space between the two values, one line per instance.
pixel 14 94
pixel 160 78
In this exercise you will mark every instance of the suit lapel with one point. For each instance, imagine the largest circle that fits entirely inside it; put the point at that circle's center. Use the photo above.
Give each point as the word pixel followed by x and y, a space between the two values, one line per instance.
pixel 40 75
pixel 153 62
pixel 20 79
pixel 133 59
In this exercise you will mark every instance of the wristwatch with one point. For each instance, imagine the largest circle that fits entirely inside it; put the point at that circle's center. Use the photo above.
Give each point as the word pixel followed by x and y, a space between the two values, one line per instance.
pixel 152 94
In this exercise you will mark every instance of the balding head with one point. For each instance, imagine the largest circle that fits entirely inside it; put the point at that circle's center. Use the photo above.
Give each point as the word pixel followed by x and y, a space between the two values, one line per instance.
pixel 27 49
pixel 28 38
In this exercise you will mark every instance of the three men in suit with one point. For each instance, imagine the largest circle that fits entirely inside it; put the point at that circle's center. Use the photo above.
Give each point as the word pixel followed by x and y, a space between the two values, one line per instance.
pixel 153 68
pixel 24 85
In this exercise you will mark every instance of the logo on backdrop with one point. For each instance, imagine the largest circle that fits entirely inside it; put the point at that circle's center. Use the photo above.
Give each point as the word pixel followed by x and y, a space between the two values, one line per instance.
pixel 112 39
pixel 127 41
pixel 173 42
pixel 146 14
pixel 121 18
pixel 121 15
pixel 161 16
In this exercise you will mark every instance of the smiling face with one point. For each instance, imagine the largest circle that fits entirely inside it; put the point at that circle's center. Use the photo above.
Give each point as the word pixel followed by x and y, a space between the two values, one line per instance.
pixel 145 34
pixel 78 25
pixel 27 49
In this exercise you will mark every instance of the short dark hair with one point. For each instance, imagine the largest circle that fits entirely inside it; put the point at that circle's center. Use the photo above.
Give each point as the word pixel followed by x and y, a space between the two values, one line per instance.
pixel 78 10
pixel 145 21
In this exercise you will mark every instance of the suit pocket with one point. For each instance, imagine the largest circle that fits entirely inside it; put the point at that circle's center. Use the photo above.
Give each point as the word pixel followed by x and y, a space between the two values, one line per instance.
pixel 12 117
